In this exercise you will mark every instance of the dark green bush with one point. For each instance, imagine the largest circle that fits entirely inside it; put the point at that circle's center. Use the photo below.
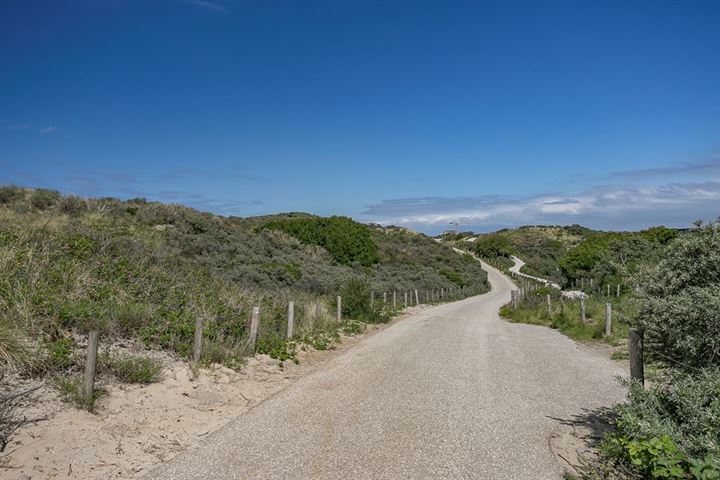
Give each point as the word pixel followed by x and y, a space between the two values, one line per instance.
pixel 347 241
pixel 42 198
pixel 356 304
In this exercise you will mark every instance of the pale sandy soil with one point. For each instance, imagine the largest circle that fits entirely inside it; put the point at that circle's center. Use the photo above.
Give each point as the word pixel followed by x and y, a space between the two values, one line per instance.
pixel 137 427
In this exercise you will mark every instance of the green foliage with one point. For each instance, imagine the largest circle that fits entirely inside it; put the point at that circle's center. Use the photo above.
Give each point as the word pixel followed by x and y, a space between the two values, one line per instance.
pixel 661 234
pixel 681 299
pixel 347 241
pixel 140 269
pixel 279 349
pixel 60 354
pixel 356 303
pixel 71 389
pixel 42 198
pixel 454 277
pixel 669 430
pixel 135 369
pixel 10 193
pixel 492 245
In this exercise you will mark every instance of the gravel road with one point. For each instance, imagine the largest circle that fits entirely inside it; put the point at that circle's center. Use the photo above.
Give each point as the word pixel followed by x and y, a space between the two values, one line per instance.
pixel 450 392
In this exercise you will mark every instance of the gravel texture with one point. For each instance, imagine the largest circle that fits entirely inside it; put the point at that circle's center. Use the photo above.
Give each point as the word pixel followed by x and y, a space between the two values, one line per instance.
pixel 450 392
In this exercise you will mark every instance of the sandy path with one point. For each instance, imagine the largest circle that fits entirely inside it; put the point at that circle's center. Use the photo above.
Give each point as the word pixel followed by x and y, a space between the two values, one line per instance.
pixel 452 392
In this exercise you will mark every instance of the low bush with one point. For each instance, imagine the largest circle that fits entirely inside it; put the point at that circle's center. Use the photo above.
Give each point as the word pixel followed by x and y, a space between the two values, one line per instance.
pixel 71 389
pixel 42 198
pixel 669 430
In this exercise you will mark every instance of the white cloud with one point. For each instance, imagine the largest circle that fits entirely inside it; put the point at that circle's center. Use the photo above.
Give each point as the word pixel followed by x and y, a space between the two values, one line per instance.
pixel 675 204
pixel 206 5
pixel 48 129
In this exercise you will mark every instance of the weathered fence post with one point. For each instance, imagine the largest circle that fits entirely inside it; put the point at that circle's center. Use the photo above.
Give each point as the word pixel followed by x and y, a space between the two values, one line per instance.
pixel 417 299
pixel 197 344
pixel 637 369
pixel 549 305
pixel 513 298
pixel 608 290
pixel 442 293
pixel 384 298
pixel 291 319
pixel 254 326
pixel 617 292
pixel 582 283
pixel 372 298
pixel 339 308
pixel 582 309
pixel 91 365
pixel 394 299
pixel 406 304
pixel 608 319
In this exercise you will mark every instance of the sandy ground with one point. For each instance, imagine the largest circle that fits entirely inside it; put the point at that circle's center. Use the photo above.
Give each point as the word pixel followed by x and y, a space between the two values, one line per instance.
pixel 137 427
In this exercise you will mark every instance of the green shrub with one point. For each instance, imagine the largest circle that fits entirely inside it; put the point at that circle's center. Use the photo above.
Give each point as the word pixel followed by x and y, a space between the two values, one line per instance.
pixel 278 349
pixel 60 354
pixel 10 193
pixel 42 198
pixel 680 299
pixel 71 389
pixel 669 430
pixel 356 303
pixel 135 369
pixel 347 241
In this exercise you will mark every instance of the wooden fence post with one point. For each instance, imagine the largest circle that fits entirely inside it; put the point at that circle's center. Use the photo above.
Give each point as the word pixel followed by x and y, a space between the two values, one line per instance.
pixel 406 304
pixel 608 319
pixel 91 364
pixel 608 290
pixel 442 293
pixel 637 369
pixel 291 319
pixel 513 298
pixel 197 345
pixel 617 292
pixel 339 308
pixel 417 299
pixel 384 298
pixel 549 305
pixel 582 309
pixel 394 299
pixel 254 327
pixel 372 298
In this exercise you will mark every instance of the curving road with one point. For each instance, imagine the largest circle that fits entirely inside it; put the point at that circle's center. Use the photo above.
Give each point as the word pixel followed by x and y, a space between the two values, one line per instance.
pixel 450 392
pixel 516 270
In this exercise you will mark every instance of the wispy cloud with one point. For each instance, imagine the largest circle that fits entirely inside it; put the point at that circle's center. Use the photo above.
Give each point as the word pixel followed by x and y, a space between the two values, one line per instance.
pixel 47 129
pixel 709 167
pixel 602 207
pixel 215 7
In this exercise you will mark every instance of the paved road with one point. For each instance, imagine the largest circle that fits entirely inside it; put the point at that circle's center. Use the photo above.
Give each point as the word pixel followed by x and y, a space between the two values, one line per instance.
pixel 516 270
pixel 452 392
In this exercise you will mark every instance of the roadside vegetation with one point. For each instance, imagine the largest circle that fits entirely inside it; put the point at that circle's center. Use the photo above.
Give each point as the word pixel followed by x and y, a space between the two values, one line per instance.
pixel 145 271
pixel 670 290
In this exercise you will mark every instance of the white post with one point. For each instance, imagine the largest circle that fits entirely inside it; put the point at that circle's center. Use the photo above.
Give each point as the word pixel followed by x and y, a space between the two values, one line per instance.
pixel 254 327
pixel 608 319
pixel 291 319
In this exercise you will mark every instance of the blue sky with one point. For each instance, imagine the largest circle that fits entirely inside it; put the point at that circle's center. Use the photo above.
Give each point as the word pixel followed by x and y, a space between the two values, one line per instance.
pixel 423 114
